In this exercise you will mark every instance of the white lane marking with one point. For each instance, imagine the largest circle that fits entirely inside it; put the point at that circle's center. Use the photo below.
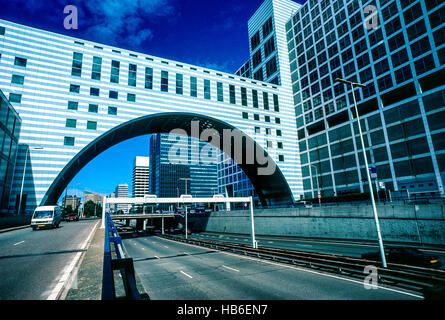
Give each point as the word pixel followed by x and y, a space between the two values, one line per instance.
pixel 322 274
pixel 165 247
pixel 143 248
pixel 67 271
pixel 186 274
pixel 157 257
pixel 269 241
pixel 300 269
pixel 233 269
pixel 16 244
pixel 187 253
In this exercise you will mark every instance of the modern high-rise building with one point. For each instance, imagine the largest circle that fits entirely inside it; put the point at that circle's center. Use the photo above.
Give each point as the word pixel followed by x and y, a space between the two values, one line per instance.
pixel 122 192
pixel 397 50
pixel 141 176
pixel 71 91
pixel 10 123
pixel 168 166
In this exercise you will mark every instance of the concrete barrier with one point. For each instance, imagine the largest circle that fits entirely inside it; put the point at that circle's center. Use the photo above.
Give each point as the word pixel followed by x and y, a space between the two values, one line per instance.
pixel 423 223
pixel 10 221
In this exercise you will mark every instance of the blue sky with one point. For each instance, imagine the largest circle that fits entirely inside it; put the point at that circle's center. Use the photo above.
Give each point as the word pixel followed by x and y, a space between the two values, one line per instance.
pixel 209 33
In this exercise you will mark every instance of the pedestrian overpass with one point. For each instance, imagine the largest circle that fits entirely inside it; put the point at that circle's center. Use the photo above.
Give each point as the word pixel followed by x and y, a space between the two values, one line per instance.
pixel 183 199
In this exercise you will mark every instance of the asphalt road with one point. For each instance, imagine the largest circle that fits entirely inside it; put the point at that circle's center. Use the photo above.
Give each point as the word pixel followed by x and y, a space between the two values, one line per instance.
pixel 32 262
pixel 175 271
pixel 349 249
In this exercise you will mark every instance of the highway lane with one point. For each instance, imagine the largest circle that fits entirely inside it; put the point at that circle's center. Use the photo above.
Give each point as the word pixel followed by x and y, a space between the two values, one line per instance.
pixel 350 249
pixel 32 262
pixel 175 271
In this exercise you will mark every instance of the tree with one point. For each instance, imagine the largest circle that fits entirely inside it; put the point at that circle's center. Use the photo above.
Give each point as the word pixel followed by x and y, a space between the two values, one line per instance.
pixel 66 211
pixel 92 209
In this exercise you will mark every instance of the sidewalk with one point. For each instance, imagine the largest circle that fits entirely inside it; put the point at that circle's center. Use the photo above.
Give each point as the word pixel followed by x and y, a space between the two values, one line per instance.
pixel 87 283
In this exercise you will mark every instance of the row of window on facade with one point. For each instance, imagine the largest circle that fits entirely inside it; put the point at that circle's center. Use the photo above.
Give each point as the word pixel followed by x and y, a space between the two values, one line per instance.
pixel 114 78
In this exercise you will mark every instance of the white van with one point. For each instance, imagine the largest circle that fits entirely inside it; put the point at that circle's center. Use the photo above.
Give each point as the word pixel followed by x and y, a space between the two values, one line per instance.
pixel 46 217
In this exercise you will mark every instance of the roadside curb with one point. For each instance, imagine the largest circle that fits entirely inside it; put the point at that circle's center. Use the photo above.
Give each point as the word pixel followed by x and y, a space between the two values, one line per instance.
pixel 14 228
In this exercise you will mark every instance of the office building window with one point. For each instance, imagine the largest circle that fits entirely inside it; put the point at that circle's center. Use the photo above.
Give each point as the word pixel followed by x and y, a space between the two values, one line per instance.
pixel 257 130
pixel 76 69
pixel 256 58
pixel 113 94
pixel 269 47
pixel 179 84
pixel 206 89
pixel 279 134
pixel 220 91
pixel 255 98
pixel 244 96
pixel 91 125
pixel 258 75
pixel 73 105
pixel 164 81
pixel 232 94
pixel 70 123
pixel 193 87
pixel 267 118
pixel 14 97
pixel 21 62
pixel 16 79
pixel 93 108
pixel 2 31
pixel 281 158
pixel 68 141
pixel 132 71
pixel 112 111
pixel 131 97
pixel 271 67
pixel 245 115
pixel 275 103
pixel 115 67
pixel 94 92
pixel 256 117
pixel 74 88
pixel 277 120
pixel 267 28
pixel 255 41
pixel 266 100
pixel 148 78
pixel 97 68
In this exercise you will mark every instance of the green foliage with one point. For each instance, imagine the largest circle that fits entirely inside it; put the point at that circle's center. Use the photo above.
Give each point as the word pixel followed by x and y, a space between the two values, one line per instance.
pixel 91 209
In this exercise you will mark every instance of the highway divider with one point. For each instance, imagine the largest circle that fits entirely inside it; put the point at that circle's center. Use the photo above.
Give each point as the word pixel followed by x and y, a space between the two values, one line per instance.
pixel 119 262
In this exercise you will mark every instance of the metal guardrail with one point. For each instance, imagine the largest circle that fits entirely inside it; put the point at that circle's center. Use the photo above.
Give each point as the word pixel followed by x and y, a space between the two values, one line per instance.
pixel 417 279
pixel 122 263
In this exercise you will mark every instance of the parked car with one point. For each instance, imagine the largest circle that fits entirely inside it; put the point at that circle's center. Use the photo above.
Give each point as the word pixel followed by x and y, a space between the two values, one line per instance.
pixel 409 256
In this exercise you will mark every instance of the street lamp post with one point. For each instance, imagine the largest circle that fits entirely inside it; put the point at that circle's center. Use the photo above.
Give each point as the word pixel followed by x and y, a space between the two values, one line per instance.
pixel 185 180
pixel 318 185
pixel 374 208
pixel 23 177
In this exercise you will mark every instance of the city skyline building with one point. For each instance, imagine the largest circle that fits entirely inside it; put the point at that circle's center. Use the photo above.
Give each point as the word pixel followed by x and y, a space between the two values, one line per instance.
pixel 141 176
pixel 168 167
pixel 71 200
pixel 122 192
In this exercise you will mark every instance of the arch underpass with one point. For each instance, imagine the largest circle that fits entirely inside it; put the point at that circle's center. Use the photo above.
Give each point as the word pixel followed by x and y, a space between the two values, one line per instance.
pixel 272 189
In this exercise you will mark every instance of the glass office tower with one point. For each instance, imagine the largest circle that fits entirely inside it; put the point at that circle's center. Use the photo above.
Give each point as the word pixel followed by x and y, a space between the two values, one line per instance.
pixel 10 123
pixel 401 61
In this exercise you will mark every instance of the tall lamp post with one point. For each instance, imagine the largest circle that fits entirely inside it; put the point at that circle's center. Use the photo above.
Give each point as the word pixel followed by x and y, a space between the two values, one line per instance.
pixel 23 177
pixel 318 185
pixel 185 180
pixel 374 208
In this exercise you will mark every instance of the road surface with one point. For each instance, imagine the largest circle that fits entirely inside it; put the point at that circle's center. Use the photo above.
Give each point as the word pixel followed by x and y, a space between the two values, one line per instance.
pixel 175 271
pixel 32 262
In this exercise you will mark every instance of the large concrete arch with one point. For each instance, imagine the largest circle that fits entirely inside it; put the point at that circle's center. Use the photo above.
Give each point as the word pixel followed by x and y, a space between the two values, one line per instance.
pixel 272 189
